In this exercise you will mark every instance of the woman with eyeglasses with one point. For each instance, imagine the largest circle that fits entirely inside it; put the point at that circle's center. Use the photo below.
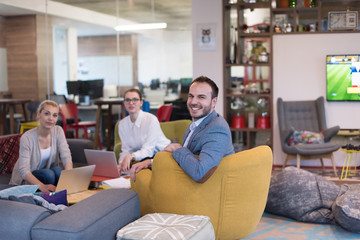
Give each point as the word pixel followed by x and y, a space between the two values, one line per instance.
pixel 140 133
pixel 41 149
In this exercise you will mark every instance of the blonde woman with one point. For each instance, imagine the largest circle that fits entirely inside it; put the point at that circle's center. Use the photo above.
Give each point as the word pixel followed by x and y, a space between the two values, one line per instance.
pixel 41 148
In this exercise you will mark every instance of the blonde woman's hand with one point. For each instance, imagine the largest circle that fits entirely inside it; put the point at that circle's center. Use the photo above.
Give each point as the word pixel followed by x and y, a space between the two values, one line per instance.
pixel 47 188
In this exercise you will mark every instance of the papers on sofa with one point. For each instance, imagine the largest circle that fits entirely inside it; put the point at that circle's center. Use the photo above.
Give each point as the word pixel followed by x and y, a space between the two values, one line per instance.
pixel 120 182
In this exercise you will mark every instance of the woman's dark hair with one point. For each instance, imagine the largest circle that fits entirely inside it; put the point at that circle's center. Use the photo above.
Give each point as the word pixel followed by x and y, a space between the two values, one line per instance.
pixel 134 90
pixel 203 79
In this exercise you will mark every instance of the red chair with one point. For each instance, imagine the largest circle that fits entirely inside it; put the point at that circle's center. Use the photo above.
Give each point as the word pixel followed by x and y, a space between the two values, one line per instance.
pixel 164 113
pixel 69 111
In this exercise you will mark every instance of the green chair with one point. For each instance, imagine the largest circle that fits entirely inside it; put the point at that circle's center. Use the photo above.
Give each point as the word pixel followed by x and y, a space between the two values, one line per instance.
pixel 173 130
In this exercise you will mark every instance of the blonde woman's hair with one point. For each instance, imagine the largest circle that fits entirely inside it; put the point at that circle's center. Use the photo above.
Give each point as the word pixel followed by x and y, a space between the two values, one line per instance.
pixel 45 103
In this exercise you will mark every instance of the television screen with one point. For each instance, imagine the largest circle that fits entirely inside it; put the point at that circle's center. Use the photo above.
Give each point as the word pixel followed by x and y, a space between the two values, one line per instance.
pixel 343 77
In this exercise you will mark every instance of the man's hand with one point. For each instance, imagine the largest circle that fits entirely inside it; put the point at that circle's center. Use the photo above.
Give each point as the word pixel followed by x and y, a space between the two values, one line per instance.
pixel 172 147
pixel 125 164
pixel 137 167
pixel 47 188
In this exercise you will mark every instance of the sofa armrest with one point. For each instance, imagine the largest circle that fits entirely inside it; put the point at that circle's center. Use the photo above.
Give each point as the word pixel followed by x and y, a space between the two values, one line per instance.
pixel 17 219
pixel 97 217
pixel 77 147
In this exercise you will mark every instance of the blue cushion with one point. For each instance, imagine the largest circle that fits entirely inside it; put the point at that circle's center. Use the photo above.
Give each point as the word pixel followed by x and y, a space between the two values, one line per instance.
pixel 18 190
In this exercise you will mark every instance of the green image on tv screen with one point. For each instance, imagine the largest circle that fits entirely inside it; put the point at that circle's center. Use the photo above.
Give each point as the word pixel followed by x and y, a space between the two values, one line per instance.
pixel 343 77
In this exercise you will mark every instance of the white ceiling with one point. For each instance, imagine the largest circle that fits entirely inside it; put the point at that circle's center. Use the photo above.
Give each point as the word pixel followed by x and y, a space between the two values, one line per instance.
pixel 177 14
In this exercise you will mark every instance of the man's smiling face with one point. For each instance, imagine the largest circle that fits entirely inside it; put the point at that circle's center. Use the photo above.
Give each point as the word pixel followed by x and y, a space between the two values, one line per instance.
pixel 199 102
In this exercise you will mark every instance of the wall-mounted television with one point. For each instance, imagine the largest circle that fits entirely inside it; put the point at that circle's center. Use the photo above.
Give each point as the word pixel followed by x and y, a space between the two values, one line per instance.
pixel 343 77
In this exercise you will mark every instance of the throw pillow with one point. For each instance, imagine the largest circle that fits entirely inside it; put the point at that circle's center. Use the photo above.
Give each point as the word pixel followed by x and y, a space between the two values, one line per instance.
pixel 55 197
pixel 9 152
pixel 18 190
pixel 305 137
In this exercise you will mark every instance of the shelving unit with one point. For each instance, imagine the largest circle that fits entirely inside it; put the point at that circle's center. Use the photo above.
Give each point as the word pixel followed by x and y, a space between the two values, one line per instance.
pixel 248 72
pixel 249 27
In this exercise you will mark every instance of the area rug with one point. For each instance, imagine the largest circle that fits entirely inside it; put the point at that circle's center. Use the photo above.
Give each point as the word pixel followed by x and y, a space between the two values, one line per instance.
pixel 272 227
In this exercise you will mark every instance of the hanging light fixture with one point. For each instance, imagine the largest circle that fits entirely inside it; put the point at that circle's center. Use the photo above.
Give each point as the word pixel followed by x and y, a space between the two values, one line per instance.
pixel 137 27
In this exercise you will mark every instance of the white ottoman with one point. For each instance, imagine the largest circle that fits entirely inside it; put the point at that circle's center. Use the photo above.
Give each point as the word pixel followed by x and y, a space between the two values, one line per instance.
pixel 166 226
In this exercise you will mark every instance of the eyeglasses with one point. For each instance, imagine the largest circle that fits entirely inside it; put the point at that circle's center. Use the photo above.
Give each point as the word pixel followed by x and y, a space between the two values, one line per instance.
pixel 134 100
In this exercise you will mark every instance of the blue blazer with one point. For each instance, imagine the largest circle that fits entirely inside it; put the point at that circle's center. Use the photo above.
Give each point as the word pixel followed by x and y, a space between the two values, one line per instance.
pixel 211 141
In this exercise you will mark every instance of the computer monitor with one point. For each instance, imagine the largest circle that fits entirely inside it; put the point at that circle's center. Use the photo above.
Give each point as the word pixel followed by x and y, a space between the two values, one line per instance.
pixel 95 88
pixel 90 89
pixel 73 87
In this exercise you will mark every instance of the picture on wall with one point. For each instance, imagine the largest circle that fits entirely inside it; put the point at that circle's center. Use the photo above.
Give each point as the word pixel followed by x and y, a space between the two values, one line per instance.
pixel 206 36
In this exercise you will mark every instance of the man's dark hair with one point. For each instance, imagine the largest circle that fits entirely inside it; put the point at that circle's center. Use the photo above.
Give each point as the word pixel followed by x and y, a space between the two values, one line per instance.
pixel 134 90
pixel 203 79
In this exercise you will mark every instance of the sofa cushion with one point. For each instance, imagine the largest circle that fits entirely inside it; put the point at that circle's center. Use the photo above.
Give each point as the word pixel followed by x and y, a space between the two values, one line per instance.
pixel 20 218
pixel 97 217
pixel 9 152
pixel 168 226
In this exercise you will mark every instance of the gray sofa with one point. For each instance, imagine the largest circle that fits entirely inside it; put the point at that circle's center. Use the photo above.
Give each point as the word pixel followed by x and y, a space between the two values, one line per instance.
pixel 97 217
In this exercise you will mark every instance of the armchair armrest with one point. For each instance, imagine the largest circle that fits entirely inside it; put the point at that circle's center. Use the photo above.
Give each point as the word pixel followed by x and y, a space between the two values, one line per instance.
pixel 117 150
pixel 330 132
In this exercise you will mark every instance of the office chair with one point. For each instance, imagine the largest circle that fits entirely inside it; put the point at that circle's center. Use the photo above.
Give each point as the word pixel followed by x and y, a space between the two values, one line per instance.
pixel 33 123
pixel 164 112
pixel 59 99
pixel 305 116
pixel 69 111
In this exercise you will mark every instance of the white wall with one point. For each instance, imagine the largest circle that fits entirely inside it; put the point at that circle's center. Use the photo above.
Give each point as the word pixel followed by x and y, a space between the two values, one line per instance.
pixel 209 63
pixel 299 73
pixel 164 54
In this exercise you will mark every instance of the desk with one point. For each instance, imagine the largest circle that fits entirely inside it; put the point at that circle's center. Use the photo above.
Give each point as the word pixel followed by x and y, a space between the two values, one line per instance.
pixel 109 102
pixel 77 197
pixel 9 103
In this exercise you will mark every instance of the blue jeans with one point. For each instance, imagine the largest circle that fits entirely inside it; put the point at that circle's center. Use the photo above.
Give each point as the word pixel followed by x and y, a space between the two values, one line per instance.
pixel 48 176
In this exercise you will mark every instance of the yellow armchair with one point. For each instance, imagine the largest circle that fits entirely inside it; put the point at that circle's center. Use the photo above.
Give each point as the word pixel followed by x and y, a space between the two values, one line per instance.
pixel 234 197
pixel 173 130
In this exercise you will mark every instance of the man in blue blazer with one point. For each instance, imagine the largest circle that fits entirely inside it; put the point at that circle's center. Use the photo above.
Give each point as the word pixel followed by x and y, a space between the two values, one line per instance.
pixel 208 136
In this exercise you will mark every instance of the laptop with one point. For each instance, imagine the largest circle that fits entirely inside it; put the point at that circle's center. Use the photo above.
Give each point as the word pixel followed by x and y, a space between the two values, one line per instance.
pixel 105 162
pixel 75 180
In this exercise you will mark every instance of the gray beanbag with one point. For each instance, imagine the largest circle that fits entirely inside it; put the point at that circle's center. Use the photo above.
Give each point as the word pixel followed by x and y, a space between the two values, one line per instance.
pixel 346 208
pixel 301 195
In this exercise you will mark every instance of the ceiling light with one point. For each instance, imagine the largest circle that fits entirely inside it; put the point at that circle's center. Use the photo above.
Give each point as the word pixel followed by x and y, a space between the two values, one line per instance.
pixel 144 26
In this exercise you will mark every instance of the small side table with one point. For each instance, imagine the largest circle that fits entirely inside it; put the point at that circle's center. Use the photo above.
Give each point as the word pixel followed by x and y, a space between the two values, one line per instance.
pixel 349 160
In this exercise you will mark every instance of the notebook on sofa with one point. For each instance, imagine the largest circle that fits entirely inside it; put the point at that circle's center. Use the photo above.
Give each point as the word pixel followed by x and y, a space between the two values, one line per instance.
pixel 105 162
pixel 75 180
